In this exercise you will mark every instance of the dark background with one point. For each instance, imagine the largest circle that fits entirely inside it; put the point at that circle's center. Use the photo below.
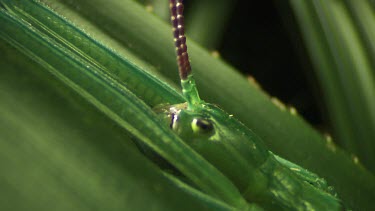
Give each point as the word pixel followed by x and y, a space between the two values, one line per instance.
pixel 262 39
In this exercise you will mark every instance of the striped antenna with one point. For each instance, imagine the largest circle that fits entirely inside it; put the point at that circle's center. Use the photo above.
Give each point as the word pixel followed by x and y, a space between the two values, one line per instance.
pixel 177 18
pixel 189 89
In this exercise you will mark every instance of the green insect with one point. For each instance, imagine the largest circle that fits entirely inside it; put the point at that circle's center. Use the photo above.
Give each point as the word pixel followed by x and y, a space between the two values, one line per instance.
pixel 216 153
pixel 235 150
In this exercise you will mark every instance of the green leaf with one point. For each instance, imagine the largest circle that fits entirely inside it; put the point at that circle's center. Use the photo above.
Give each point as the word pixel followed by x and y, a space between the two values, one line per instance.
pixel 58 152
pixel 285 133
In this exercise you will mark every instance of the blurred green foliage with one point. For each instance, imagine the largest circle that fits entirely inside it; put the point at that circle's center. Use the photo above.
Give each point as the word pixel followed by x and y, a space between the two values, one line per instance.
pixel 57 147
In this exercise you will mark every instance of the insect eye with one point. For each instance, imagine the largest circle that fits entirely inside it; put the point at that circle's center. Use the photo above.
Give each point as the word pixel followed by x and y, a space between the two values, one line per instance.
pixel 202 125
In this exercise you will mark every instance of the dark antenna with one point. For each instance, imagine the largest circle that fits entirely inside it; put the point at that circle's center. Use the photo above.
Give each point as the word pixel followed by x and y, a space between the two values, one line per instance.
pixel 189 89
pixel 177 19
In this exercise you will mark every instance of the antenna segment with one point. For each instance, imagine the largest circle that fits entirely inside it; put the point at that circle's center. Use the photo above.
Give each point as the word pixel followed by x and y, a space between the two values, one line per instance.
pixel 189 89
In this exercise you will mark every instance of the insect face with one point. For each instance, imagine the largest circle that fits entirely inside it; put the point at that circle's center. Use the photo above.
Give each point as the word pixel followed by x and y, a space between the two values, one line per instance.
pixel 208 125
pixel 192 126
pixel 216 135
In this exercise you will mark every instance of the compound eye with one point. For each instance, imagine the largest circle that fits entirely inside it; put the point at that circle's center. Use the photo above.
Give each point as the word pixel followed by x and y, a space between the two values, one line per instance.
pixel 202 125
